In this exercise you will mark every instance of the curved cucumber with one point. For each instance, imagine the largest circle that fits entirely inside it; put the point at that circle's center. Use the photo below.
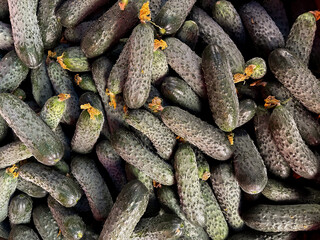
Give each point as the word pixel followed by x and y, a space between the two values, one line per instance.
pixel 6 40
pixel 20 209
pixel 75 34
pixel 13 153
pixel 160 67
pixel 22 232
pixel 31 189
pixel 247 110
pixel 74 60
pixel 189 33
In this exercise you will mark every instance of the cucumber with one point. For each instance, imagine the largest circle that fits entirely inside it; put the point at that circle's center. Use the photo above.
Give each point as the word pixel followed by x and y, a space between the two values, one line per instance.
pixel 132 150
pixel 26 33
pixel 221 90
pixel 260 68
pixel 93 185
pixel 160 67
pixel 65 190
pixel 31 130
pixel 12 72
pixel 4 227
pixel 207 138
pixel 202 165
pixel 189 33
pixel 50 27
pixel 64 140
pixel 155 7
pixel 30 188
pixel 74 60
pixel 247 110
pixel 69 222
pixel 186 173
pixel 283 218
pixel 228 193
pixel 3 130
pixel 20 209
pixel 126 212
pixel 186 63
pixel 4 9
pixel 213 34
pixel 296 77
pixel 45 224
pixel 85 82
pixel 173 14
pixel 90 235
pixel 22 232
pixel 290 144
pixel 6 40
pixel 180 93
pixel 62 167
pixel 272 157
pixel 254 235
pixel 75 34
pixel 20 94
pixel 154 92
pixel 263 31
pixel 13 153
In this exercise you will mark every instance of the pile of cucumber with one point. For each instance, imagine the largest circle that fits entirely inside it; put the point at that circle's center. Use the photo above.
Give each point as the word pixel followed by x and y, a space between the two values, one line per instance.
pixel 159 119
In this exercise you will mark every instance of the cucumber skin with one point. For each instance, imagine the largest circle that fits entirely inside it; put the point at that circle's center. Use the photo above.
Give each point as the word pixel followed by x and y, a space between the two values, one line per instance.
pixel 65 190
pixel 75 34
pixel 6 40
pixel 53 111
pixel 32 131
pixel 22 232
pixel 13 153
pixel 253 235
pixel 20 209
pixel 222 95
pixel 247 110
pixel 75 60
pixel 261 67
pixel 87 83
pixel 126 212
pixel 26 33
pixel 3 131
pixel 160 67
pixel 189 33
pixel 30 188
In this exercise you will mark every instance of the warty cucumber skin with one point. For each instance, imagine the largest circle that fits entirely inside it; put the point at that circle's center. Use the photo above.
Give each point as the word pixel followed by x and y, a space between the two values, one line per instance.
pixel 31 130
pixel 26 32
pixel 64 189
pixel 6 40
pixel 22 232
pixel 213 34
pixel 96 190
pixel 137 86
pixel 132 150
pixel 268 149
pixel 186 63
pixel 186 173
pixel 20 209
pixel 126 212
pixel 160 67
pixel 53 111
pixel 263 31
pixel 189 33
pixel 45 224
pixel 247 110
pixel 12 72
pixel 283 218
pixel 75 60
pixel 221 91
pixel 75 34
pixel 202 164
pixel 255 235
pixel 31 189
pixel 207 138
pixel 13 153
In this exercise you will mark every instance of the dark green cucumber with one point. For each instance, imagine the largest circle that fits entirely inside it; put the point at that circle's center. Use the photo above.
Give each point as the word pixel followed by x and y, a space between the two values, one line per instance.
pixel 4 9
pixel 3 130
pixel 290 144
pixel 247 110
pixel 255 235
pixel 221 90
pixel 173 14
pixel 22 232
pixel 134 152
pixel 45 224
pixel 260 68
pixel 75 34
pixel 62 167
pixel 12 153
pixel 20 94
pixel 26 32
pixel 85 82
pixel 6 40
pixel 31 189
pixel 179 92
pixel 74 60
pixel 69 222
pixel 189 33
pixel 93 185
pixel 207 138
pixel 212 33
pixel 186 63
pixel 216 225
pixel 62 83
pixel 137 86
pixel 31 130
pixel 283 218
pixel 301 37
pixel 65 190
pixel 126 212
pixel 160 67
pixel 20 209
pixel 272 157
pixel 202 165
pixel 162 138
pixel 228 193
pixel 186 173
pixel 50 27
pixel 12 72
pixel 263 31
pixel 249 168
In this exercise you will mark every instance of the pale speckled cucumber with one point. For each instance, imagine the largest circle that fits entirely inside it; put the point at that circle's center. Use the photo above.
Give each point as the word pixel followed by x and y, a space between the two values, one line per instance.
pixel 247 110
pixel 272 157
pixel 50 27
pixel 6 40
pixel 207 138
pixel 12 153
pixel 62 83
pixel 228 193
pixel 290 144
pixel 64 189
pixel 255 235
pixel 4 9
pixel 75 34
pixel 3 130
pixel 222 95
pixel 186 63
pixel 126 212
pixel 26 32
pixel 20 209
pixel 134 152
pixel 160 67
pixel 260 68
pixel 31 130
pixel 74 60
pixel 85 82
pixel 12 72
pixel 22 232
pixel 69 222
pixel 30 188
pixel 283 218
pixel 93 185
pixel 212 33
pixel 179 92
pixel 45 224
pixel 216 225
pixel 188 33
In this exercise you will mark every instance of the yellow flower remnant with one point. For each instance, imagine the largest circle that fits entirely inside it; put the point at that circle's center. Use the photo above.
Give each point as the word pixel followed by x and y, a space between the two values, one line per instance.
pixel 60 61
pixel 316 14
pixel 59 233
pixel 93 112
pixel 113 102
pixel 156 184
pixel 13 170
pixel 77 79
pixel 258 83
pixel 205 176
pixel 180 139
pixel 159 44
pixel 231 138
pixel 155 105
pixel 125 109
pixel 123 4
pixel 63 96
pixel 50 55
pixel 145 14
pixel 239 77
pixel 271 102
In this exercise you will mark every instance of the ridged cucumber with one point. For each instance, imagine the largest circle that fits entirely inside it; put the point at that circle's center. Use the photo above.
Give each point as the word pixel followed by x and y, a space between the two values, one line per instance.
pixel 74 60
pixel 22 232
pixel 189 33
pixel 160 67
pixel 31 189
pixel 6 40
pixel 20 209
pixel 247 110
